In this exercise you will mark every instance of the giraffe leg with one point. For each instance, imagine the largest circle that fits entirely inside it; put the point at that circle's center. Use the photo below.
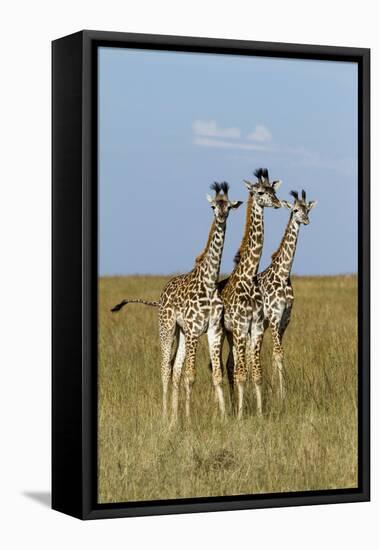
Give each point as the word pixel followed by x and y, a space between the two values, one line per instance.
pixel 277 355
pixel 215 340
pixel 167 333
pixel 255 344
pixel 190 356
pixel 285 319
pixel 286 316
pixel 176 375
pixel 239 347
pixel 230 369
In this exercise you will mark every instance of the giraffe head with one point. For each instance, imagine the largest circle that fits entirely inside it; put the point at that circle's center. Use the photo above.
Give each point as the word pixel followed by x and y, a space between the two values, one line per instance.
pixel 300 207
pixel 264 191
pixel 220 203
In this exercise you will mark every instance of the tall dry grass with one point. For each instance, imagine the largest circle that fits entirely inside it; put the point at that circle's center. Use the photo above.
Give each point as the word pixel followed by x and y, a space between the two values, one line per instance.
pixel 308 442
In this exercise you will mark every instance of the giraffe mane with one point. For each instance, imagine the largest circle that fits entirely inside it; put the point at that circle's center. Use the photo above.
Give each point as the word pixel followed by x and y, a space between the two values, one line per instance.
pixel 245 239
pixel 201 256
pixel 277 252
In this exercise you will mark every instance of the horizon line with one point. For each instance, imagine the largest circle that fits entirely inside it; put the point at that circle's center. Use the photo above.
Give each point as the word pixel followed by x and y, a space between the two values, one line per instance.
pixel 174 274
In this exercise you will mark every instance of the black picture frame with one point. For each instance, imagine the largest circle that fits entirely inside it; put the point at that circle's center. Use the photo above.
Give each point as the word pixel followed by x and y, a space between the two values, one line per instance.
pixel 74 271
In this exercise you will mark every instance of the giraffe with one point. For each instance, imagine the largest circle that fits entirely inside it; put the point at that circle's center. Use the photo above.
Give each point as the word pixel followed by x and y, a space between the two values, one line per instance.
pixel 275 283
pixel 243 307
pixel 190 305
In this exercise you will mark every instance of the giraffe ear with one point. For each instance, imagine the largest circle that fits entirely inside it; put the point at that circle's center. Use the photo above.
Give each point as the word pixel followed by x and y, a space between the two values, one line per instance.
pixel 276 184
pixel 286 204
pixel 209 199
pixel 235 204
pixel 248 184
pixel 311 204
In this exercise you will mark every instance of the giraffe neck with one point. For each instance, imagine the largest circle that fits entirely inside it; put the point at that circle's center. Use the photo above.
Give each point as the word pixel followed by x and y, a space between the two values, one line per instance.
pixel 282 259
pixel 209 262
pixel 252 243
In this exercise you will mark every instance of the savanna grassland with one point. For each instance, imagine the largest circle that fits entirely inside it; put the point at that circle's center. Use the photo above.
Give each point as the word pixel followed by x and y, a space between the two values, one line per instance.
pixel 308 442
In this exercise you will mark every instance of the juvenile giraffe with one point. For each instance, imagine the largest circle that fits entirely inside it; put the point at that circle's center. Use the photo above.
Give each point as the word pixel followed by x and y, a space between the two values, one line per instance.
pixel 243 307
pixel 189 306
pixel 275 283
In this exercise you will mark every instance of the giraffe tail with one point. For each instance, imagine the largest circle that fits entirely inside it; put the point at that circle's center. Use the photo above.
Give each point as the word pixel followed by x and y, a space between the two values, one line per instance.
pixel 119 306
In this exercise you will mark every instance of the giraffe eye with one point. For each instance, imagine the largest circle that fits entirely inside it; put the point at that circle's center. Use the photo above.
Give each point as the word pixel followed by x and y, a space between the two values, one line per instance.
pixel 296 210
pixel 261 192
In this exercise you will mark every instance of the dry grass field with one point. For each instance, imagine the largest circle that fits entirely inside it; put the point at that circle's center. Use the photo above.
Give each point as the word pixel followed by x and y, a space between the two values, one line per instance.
pixel 308 442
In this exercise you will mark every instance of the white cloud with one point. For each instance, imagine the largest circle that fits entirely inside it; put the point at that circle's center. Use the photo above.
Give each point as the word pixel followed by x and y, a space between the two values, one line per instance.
pixel 209 134
pixel 210 128
pixel 261 134
pixel 219 143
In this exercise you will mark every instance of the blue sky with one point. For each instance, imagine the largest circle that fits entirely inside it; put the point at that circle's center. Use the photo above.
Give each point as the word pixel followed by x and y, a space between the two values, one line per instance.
pixel 172 123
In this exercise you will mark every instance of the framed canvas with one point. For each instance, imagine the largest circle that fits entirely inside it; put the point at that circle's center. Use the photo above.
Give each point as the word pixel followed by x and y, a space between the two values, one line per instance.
pixel 185 176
